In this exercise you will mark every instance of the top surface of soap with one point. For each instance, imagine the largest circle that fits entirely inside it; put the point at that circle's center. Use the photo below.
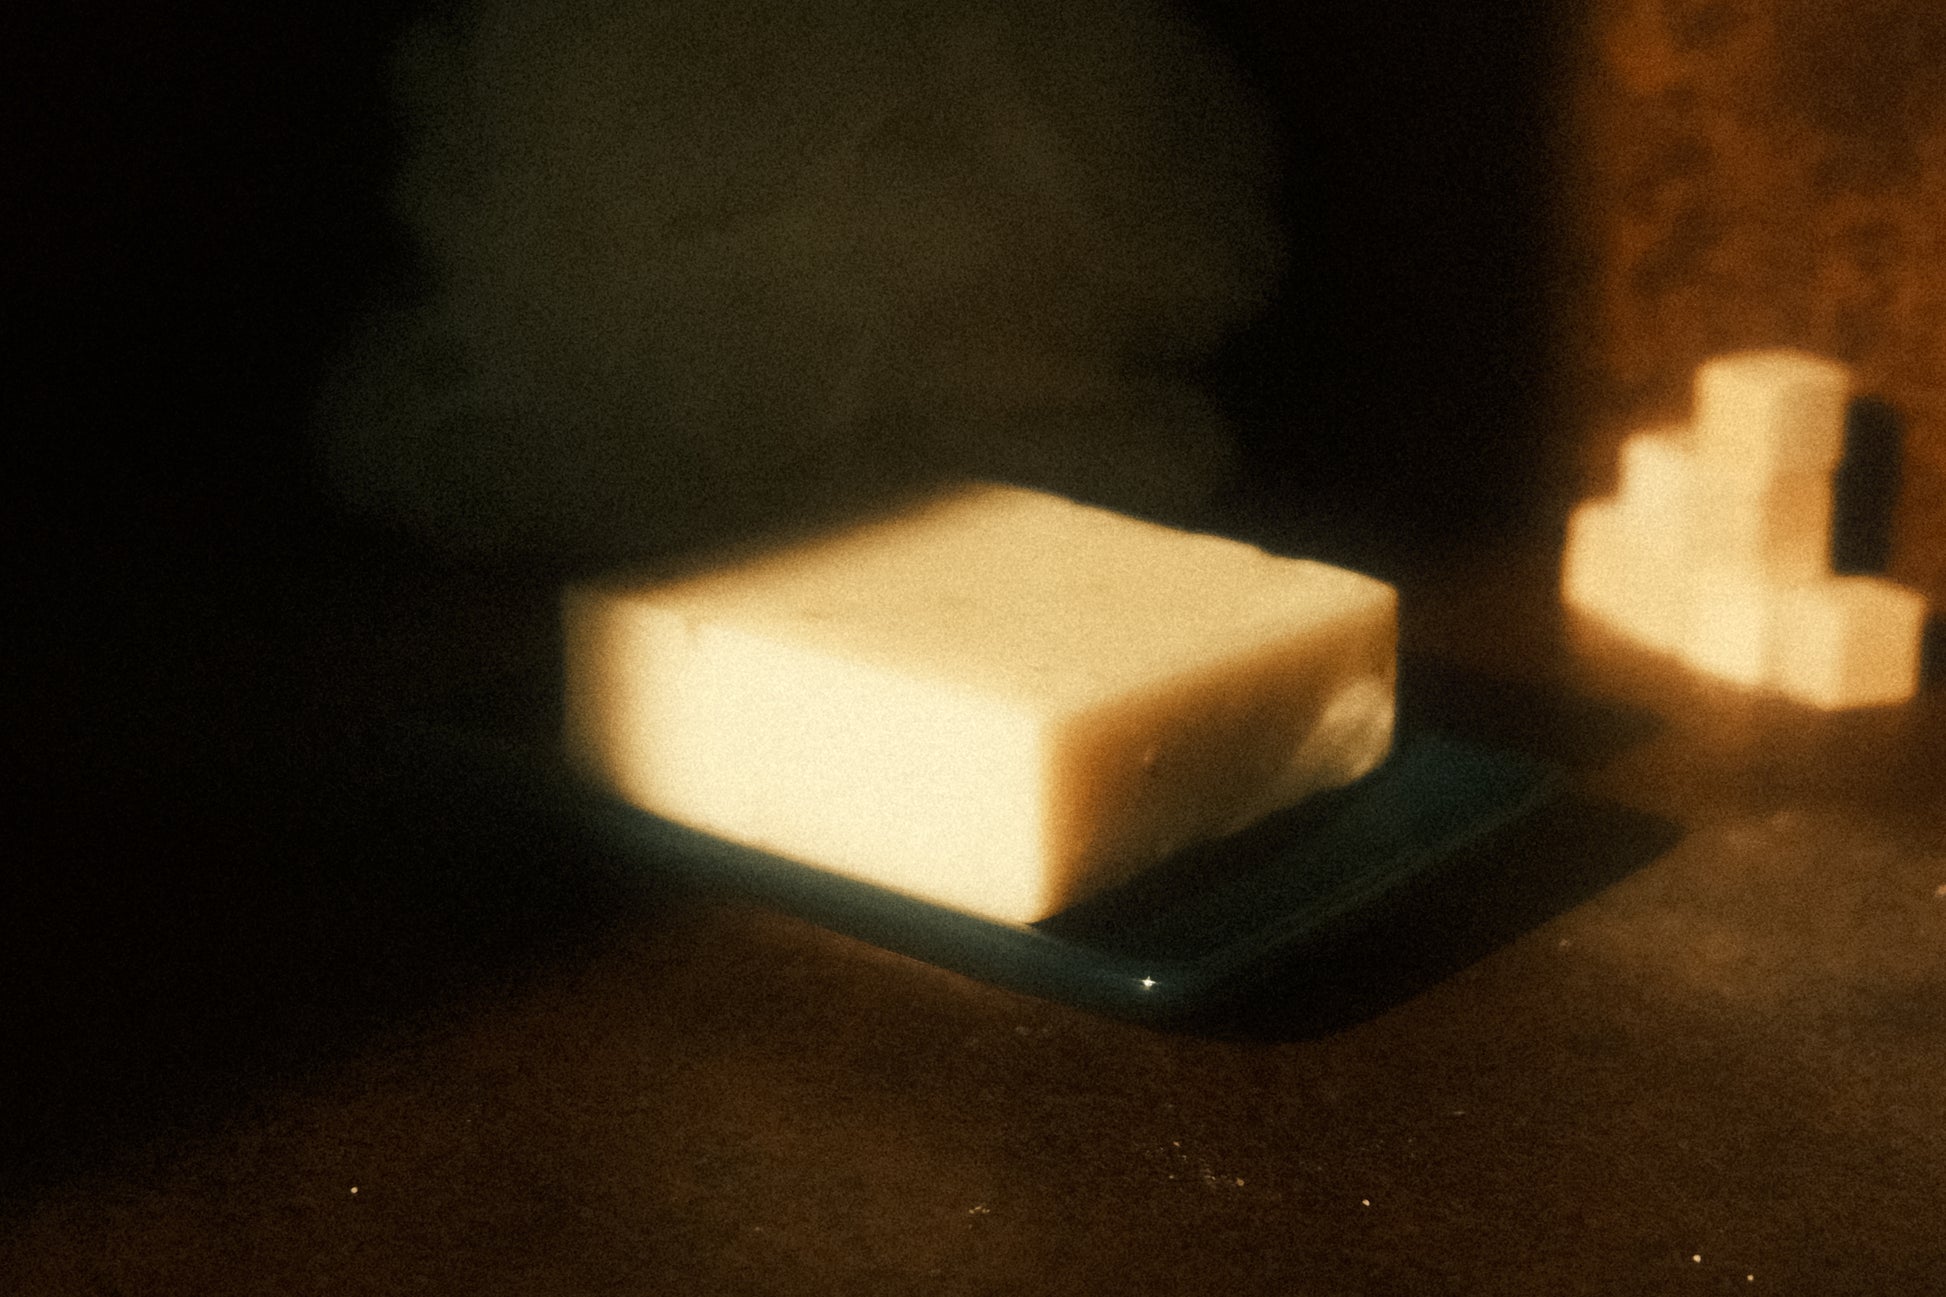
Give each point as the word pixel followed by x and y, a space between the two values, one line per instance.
pixel 1021 594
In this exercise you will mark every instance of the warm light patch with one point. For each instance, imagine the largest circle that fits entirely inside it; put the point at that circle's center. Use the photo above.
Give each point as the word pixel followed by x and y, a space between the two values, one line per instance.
pixel 1657 477
pixel 1716 546
pixel 1765 413
pixel 1849 641
pixel 1729 627
pixel 1622 570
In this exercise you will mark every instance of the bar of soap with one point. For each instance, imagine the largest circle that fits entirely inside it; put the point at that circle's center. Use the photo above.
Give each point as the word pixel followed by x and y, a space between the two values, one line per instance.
pixel 1716 544
pixel 996 699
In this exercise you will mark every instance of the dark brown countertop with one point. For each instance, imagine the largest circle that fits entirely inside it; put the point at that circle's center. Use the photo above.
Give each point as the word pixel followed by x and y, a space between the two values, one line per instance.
pixel 1683 1037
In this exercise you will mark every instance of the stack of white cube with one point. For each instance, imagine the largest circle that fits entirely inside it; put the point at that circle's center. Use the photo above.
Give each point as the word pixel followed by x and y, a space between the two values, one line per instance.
pixel 1716 544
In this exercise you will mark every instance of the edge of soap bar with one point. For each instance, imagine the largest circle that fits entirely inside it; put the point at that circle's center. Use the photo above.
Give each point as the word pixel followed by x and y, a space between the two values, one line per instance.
pixel 1215 750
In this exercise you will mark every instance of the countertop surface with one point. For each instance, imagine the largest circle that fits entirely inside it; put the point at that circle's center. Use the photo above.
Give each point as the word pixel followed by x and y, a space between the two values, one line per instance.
pixel 293 1015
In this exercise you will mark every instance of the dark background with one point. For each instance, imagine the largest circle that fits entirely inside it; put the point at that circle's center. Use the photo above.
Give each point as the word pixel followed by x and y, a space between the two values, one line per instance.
pixel 253 953
pixel 204 196
pixel 204 834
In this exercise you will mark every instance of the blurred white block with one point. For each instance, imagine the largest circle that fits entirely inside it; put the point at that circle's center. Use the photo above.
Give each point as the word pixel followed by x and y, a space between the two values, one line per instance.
pixel 1657 478
pixel 1626 575
pixel 1778 527
pixel 1586 559
pixel 1731 623
pixel 1849 641
pixel 1765 412
pixel 1717 544
pixel 1718 513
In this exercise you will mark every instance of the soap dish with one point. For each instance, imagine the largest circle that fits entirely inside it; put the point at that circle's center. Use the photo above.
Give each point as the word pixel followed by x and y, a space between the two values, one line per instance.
pixel 1191 934
pixel 1176 941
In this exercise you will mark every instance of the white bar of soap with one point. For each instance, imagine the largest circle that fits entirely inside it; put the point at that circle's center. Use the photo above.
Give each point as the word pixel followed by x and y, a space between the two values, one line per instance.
pixel 997 700
pixel 1716 546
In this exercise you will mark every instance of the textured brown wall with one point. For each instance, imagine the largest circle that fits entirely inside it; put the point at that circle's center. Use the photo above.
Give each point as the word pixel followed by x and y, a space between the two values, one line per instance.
pixel 1760 172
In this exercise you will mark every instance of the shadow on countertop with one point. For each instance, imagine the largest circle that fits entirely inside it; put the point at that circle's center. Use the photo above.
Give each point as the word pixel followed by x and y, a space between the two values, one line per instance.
pixel 1489 894
pixel 1478 902
pixel 225 877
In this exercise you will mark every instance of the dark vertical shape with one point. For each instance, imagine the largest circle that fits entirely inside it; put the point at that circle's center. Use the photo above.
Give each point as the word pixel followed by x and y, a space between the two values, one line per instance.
pixel 1865 490
pixel 1400 377
pixel 1932 652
